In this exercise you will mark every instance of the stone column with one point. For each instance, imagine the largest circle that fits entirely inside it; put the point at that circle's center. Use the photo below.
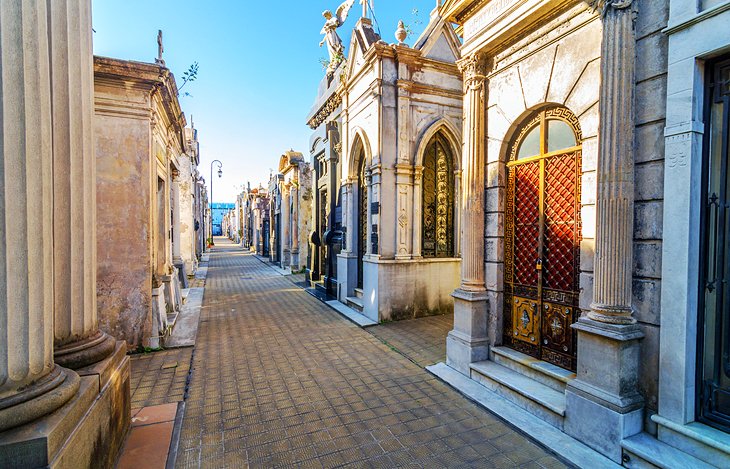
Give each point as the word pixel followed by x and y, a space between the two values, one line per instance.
pixel 295 221
pixel 31 385
pixel 78 340
pixel 604 405
pixel 176 238
pixel 418 211
pixel 285 225
pixel 467 342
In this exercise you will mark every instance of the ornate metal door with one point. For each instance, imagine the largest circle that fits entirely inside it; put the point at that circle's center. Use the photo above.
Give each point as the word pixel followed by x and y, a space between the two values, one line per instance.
pixel 713 370
pixel 362 224
pixel 542 238
pixel 438 200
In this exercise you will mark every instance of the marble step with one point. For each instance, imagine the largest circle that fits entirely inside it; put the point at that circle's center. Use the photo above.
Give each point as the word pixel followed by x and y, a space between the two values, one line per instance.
pixel 354 303
pixel 546 373
pixel 540 400
pixel 645 451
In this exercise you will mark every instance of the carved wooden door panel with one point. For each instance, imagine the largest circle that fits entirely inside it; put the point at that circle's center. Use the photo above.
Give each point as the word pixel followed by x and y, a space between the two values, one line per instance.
pixel 542 238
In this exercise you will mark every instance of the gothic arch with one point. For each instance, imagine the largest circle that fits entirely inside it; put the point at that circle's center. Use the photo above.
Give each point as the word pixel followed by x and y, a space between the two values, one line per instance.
pixel 450 133
pixel 360 143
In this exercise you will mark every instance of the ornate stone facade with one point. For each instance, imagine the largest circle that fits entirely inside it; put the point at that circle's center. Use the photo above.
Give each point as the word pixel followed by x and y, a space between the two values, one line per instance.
pixel 397 141
pixel 600 71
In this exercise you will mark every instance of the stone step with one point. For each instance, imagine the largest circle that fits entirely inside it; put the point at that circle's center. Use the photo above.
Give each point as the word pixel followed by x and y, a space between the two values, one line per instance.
pixel 358 292
pixel 543 372
pixel 355 303
pixel 645 451
pixel 525 392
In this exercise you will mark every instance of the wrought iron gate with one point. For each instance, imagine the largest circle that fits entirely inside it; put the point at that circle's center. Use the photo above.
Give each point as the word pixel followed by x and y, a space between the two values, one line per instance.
pixel 714 309
pixel 542 238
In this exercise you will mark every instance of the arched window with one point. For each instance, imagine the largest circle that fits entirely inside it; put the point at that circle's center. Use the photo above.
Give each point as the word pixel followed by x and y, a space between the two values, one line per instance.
pixel 542 237
pixel 438 199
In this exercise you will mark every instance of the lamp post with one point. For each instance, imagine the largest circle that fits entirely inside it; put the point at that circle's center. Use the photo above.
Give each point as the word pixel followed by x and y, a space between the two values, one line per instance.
pixel 220 174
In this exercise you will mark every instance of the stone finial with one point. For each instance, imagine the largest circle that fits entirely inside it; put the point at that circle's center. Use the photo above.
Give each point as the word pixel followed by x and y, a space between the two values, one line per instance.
pixel 401 34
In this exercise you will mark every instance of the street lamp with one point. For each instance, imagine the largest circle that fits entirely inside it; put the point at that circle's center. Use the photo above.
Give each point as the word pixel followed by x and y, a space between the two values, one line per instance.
pixel 220 174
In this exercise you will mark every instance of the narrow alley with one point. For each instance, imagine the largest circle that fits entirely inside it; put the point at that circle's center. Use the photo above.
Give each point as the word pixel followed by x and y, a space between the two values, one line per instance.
pixel 279 379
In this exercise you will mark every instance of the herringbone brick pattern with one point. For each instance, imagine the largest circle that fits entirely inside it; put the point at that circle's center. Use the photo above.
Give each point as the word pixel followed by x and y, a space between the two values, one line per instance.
pixel 280 380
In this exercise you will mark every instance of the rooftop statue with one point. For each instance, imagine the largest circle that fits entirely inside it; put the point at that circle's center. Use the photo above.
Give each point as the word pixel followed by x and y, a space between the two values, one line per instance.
pixel 334 43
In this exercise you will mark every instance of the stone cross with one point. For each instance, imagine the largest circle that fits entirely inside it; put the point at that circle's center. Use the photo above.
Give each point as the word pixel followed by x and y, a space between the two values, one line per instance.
pixel 160 49
pixel 364 4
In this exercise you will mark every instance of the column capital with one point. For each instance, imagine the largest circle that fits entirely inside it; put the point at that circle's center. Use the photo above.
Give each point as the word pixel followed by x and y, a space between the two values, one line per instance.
pixel 474 68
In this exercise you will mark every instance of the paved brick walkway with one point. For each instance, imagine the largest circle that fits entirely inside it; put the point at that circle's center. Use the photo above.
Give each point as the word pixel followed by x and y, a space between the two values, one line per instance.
pixel 159 377
pixel 422 340
pixel 281 380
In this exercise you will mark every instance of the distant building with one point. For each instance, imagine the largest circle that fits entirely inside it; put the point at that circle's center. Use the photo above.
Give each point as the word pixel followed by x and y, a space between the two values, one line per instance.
pixel 218 210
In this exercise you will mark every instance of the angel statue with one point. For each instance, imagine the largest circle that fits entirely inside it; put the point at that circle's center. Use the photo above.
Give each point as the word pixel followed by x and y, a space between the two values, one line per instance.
pixel 334 43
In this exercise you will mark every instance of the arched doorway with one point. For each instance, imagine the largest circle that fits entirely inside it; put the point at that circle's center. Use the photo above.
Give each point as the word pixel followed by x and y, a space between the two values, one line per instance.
pixel 438 199
pixel 542 237
pixel 362 214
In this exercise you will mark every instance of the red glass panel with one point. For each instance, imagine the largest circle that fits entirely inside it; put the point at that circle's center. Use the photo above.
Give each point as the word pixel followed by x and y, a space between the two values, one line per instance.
pixel 526 222
pixel 561 213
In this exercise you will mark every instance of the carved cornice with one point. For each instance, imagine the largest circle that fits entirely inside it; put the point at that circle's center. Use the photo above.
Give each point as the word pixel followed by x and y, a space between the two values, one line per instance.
pixel 327 108
pixel 474 68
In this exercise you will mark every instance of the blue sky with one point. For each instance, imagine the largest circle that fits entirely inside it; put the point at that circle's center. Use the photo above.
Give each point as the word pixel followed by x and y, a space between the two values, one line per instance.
pixel 259 68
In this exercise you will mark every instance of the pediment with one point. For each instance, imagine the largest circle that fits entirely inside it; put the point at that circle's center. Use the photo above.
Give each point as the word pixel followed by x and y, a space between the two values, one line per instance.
pixel 363 38
pixel 439 41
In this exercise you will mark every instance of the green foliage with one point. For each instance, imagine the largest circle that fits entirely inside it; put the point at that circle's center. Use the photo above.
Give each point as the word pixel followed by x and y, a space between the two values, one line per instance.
pixel 190 75
pixel 416 22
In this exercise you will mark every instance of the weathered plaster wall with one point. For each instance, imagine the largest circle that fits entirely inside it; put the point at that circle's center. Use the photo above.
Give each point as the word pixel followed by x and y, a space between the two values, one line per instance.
pixel 187 217
pixel 124 272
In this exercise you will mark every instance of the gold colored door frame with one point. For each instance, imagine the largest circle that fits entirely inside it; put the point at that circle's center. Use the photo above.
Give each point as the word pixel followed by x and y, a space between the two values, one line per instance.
pixel 538 315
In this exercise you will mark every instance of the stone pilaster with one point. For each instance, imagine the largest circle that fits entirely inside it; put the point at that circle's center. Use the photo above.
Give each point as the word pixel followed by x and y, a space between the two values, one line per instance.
pixel 604 405
pixel 404 222
pixel 418 215
pixel 31 385
pixel 78 340
pixel 467 342
pixel 295 222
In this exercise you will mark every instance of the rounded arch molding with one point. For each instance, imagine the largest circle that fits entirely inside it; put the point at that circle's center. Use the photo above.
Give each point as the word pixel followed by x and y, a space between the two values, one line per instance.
pixel 526 121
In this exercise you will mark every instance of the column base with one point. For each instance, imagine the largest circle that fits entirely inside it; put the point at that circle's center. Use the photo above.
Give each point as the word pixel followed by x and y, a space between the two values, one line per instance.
pixel 462 352
pixel 603 404
pixel 87 431
pixel 468 342
pixel 85 351
pixel 39 399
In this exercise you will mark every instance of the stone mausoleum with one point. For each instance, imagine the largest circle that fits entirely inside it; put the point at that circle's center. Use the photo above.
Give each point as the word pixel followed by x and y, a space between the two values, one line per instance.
pixel 141 143
pixel 584 298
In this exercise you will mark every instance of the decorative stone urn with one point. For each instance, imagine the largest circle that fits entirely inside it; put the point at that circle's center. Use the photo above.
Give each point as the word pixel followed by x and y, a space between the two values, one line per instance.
pixel 401 34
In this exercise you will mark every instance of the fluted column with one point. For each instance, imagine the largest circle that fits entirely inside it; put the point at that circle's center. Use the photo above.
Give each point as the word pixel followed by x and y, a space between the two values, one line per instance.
pixel 615 187
pixel 467 342
pixel 78 340
pixel 608 338
pixel 31 385
pixel 472 181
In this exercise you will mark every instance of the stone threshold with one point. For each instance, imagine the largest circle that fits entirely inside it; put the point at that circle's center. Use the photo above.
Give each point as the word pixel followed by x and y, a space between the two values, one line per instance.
pixel 188 318
pixel 153 438
pixel 351 314
pixel 562 445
